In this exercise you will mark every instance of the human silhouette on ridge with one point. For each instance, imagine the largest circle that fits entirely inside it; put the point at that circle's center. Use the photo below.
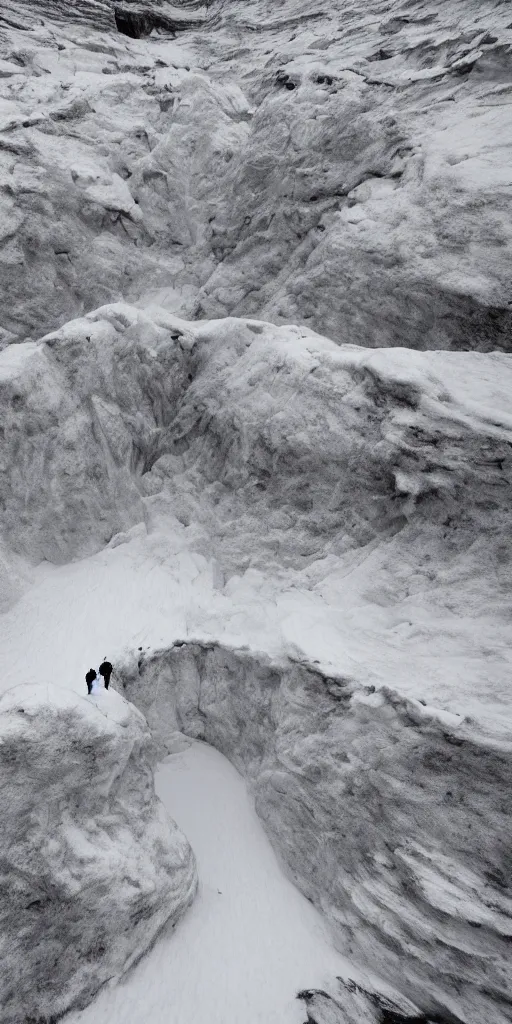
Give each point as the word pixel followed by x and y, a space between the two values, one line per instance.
pixel 105 670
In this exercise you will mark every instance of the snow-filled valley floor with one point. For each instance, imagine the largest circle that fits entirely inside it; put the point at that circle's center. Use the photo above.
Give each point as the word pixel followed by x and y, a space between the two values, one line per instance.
pixel 150 590
pixel 299 554
pixel 250 941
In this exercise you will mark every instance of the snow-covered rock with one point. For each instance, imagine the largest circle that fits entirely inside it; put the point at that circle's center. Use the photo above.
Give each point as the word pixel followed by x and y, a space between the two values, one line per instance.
pixel 80 414
pixel 92 866
pixel 334 167
pixel 366 492
pixel 284 447
pixel 343 512
pixel 393 818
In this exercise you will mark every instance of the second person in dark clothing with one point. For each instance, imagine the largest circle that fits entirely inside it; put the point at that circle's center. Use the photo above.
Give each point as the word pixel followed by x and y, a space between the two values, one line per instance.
pixel 90 676
pixel 105 670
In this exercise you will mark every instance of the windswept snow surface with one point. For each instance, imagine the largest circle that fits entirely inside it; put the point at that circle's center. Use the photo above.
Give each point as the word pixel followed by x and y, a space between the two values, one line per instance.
pixel 150 590
pixel 343 516
pixel 249 943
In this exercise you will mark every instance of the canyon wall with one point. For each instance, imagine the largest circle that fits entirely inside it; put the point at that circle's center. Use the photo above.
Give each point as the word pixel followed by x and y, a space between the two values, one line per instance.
pixel 92 866
pixel 392 817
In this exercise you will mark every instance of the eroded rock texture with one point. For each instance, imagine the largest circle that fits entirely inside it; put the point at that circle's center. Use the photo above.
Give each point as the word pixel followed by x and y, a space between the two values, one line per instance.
pixel 343 168
pixel 92 866
pixel 374 489
pixel 284 446
pixel 377 483
pixel 393 818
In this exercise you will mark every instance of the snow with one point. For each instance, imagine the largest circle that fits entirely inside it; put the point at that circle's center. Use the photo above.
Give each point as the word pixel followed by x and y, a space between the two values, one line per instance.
pixel 327 528
pixel 147 590
pixel 150 591
pixel 206 160
pixel 250 941
pixel 94 866
pixel 335 523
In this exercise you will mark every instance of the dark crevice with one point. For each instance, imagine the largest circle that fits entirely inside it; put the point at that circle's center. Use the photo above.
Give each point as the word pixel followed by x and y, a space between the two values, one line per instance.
pixel 141 21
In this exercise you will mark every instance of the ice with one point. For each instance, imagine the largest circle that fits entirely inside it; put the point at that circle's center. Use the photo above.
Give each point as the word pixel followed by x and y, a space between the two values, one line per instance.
pixel 94 867
pixel 249 943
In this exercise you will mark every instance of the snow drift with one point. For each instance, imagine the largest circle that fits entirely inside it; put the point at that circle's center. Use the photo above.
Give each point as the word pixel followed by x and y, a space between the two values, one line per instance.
pixel 92 866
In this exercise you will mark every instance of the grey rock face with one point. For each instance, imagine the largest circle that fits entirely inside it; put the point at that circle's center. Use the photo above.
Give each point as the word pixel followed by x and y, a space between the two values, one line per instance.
pixel 92 866
pixel 394 822
pixel 346 169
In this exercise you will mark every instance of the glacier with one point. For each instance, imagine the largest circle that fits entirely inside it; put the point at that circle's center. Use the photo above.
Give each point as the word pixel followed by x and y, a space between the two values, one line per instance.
pixel 255 445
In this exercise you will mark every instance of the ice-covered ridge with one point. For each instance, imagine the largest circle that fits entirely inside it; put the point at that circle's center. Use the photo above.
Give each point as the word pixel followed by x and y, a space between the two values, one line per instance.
pixel 345 779
pixel 366 493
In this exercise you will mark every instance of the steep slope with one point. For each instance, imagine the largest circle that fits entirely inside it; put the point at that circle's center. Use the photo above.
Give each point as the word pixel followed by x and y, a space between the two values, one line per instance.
pixel 310 537
pixel 92 866
pixel 345 513
pixel 393 817
pixel 339 169
pixel 380 482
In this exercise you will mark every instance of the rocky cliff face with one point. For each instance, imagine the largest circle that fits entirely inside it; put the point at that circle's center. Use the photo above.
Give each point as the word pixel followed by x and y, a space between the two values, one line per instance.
pixel 337 169
pixel 92 867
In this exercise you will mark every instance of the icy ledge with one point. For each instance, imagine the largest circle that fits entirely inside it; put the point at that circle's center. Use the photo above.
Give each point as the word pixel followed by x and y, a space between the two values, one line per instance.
pixel 92 866
pixel 390 815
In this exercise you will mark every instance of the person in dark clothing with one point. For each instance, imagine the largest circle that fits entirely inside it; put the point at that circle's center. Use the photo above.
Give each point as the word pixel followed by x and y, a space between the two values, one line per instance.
pixel 90 676
pixel 105 670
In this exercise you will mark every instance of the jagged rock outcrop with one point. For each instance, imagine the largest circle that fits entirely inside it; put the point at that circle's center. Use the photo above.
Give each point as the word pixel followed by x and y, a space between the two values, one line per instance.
pixel 394 818
pixel 377 483
pixel 129 16
pixel 334 168
pixel 374 486
pixel 140 19
pixel 82 412
pixel 92 866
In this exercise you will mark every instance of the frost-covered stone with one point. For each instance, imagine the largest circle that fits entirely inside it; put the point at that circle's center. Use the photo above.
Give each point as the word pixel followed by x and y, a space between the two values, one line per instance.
pixel 345 168
pixel 357 506
pixel 92 866
pixel 80 414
